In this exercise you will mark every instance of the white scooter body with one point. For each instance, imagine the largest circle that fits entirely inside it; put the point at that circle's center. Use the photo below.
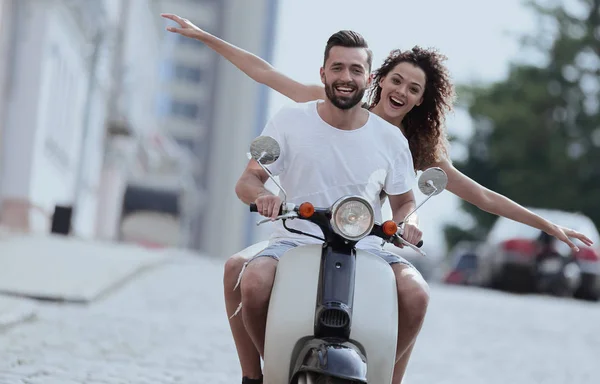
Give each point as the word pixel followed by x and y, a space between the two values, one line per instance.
pixel 291 316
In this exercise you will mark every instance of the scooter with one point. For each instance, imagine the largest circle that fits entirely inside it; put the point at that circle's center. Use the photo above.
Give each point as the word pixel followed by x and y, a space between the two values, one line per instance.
pixel 333 310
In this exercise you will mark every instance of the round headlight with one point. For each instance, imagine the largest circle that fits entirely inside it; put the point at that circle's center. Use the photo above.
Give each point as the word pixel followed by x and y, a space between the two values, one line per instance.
pixel 352 217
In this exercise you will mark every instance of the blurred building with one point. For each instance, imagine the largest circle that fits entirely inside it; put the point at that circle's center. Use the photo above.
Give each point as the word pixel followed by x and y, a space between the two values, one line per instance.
pixel 142 131
pixel 6 32
pixel 48 51
pixel 211 108
pixel 141 165
pixel 69 70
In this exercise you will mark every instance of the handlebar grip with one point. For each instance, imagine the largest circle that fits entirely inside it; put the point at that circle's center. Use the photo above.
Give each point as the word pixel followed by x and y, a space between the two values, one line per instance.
pixel 253 208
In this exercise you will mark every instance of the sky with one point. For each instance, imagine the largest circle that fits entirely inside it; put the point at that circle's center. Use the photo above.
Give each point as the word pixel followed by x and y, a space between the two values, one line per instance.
pixel 480 38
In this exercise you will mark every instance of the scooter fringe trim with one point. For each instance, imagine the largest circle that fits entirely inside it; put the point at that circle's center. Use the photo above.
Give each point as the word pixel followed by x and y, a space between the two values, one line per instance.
pixel 237 284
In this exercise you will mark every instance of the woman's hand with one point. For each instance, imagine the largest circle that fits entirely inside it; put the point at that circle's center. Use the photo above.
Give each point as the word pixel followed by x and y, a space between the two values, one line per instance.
pixel 563 234
pixel 188 29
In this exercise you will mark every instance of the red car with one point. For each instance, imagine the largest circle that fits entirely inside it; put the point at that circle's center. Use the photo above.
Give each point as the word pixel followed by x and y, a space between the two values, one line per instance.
pixel 510 257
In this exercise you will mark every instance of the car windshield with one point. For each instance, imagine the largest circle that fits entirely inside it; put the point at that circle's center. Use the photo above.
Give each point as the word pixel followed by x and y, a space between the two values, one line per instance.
pixel 505 228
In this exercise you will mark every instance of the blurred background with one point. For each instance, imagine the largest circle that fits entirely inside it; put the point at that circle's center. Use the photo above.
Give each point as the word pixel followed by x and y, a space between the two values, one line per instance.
pixel 113 129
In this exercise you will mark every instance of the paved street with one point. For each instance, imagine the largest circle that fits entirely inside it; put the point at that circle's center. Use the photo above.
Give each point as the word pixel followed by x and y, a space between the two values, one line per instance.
pixel 168 326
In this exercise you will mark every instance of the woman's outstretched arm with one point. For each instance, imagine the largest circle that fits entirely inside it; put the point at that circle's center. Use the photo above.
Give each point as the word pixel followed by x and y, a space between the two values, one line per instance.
pixel 256 68
pixel 492 202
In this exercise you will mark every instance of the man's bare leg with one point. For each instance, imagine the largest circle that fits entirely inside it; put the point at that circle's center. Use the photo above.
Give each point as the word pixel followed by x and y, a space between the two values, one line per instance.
pixel 401 365
pixel 247 352
pixel 256 285
pixel 413 299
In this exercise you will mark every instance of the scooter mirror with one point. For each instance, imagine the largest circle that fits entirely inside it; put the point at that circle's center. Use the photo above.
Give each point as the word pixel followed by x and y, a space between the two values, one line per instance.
pixel 433 181
pixel 265 150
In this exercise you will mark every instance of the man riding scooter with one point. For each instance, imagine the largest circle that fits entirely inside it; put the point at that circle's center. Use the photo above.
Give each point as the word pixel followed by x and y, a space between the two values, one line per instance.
pixel 333 148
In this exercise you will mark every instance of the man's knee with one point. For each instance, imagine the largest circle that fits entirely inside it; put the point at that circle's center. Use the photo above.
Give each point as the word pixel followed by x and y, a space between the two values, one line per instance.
pixel 413 294
pixel 257 282
pixel 416 300
pixel 233 267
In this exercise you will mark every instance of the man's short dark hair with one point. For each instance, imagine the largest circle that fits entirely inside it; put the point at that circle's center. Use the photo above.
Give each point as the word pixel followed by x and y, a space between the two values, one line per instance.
pixel 348 39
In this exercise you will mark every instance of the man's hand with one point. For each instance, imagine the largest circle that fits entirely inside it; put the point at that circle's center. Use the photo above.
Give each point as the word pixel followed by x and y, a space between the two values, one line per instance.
pixel 401 206
pixel 411 233
pixel 188 29
pixel 268 205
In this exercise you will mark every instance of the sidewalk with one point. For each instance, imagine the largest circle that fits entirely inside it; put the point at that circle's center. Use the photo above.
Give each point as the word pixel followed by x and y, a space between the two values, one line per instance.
pixel 14 311
pixel 68 269
pixel 166 326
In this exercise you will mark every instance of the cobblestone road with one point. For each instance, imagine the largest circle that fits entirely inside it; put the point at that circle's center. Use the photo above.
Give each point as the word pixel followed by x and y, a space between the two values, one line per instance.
pixel 169 326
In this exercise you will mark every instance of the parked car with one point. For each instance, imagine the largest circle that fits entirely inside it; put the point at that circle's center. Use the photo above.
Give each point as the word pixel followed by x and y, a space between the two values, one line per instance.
pixel 517 257
pixel 462 263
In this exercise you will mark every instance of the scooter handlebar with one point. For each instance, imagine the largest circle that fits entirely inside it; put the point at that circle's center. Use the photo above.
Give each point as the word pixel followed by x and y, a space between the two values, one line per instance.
pixel 253 208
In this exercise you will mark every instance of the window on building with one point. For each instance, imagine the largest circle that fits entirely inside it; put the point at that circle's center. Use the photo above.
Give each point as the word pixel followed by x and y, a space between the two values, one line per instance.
pixel 185 109
pixel 188 74
pixel 186 143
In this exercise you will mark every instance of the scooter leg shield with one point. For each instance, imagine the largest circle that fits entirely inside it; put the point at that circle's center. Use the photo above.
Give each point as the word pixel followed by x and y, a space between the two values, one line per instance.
pixel 375 315
pixel 291 315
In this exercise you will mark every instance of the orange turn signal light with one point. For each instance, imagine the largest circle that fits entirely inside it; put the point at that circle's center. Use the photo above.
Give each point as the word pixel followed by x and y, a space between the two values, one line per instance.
pixel 306 210
pixel 389 228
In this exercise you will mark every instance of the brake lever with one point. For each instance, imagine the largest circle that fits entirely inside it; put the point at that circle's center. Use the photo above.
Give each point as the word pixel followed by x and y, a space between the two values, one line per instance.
pixel 290 215
pixel 398 238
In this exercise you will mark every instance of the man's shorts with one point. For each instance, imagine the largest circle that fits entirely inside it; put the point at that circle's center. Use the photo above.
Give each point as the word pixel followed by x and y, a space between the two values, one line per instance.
pixel 277 249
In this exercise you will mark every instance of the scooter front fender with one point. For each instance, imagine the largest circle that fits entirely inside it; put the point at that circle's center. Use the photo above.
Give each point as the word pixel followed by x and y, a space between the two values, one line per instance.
pixel 342 360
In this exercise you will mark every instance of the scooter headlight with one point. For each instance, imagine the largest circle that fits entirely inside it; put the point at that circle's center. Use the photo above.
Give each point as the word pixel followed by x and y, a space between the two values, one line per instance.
pixel 352 217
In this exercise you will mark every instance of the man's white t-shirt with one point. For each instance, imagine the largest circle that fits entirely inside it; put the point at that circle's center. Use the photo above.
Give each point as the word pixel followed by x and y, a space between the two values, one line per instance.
pixel 320 164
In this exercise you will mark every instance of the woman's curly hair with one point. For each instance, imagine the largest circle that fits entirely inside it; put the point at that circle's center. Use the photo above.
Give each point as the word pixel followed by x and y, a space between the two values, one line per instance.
pixel 424 124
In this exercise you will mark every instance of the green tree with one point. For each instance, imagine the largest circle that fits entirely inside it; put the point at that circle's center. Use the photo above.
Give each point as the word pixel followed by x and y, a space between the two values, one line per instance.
pixel 537 133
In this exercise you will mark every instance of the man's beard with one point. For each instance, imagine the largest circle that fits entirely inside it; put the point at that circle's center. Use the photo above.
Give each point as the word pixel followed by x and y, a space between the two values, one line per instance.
pixel 343 102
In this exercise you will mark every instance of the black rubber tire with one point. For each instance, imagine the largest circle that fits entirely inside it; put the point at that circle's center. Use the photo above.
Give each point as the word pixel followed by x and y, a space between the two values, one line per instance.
pixel 322 379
